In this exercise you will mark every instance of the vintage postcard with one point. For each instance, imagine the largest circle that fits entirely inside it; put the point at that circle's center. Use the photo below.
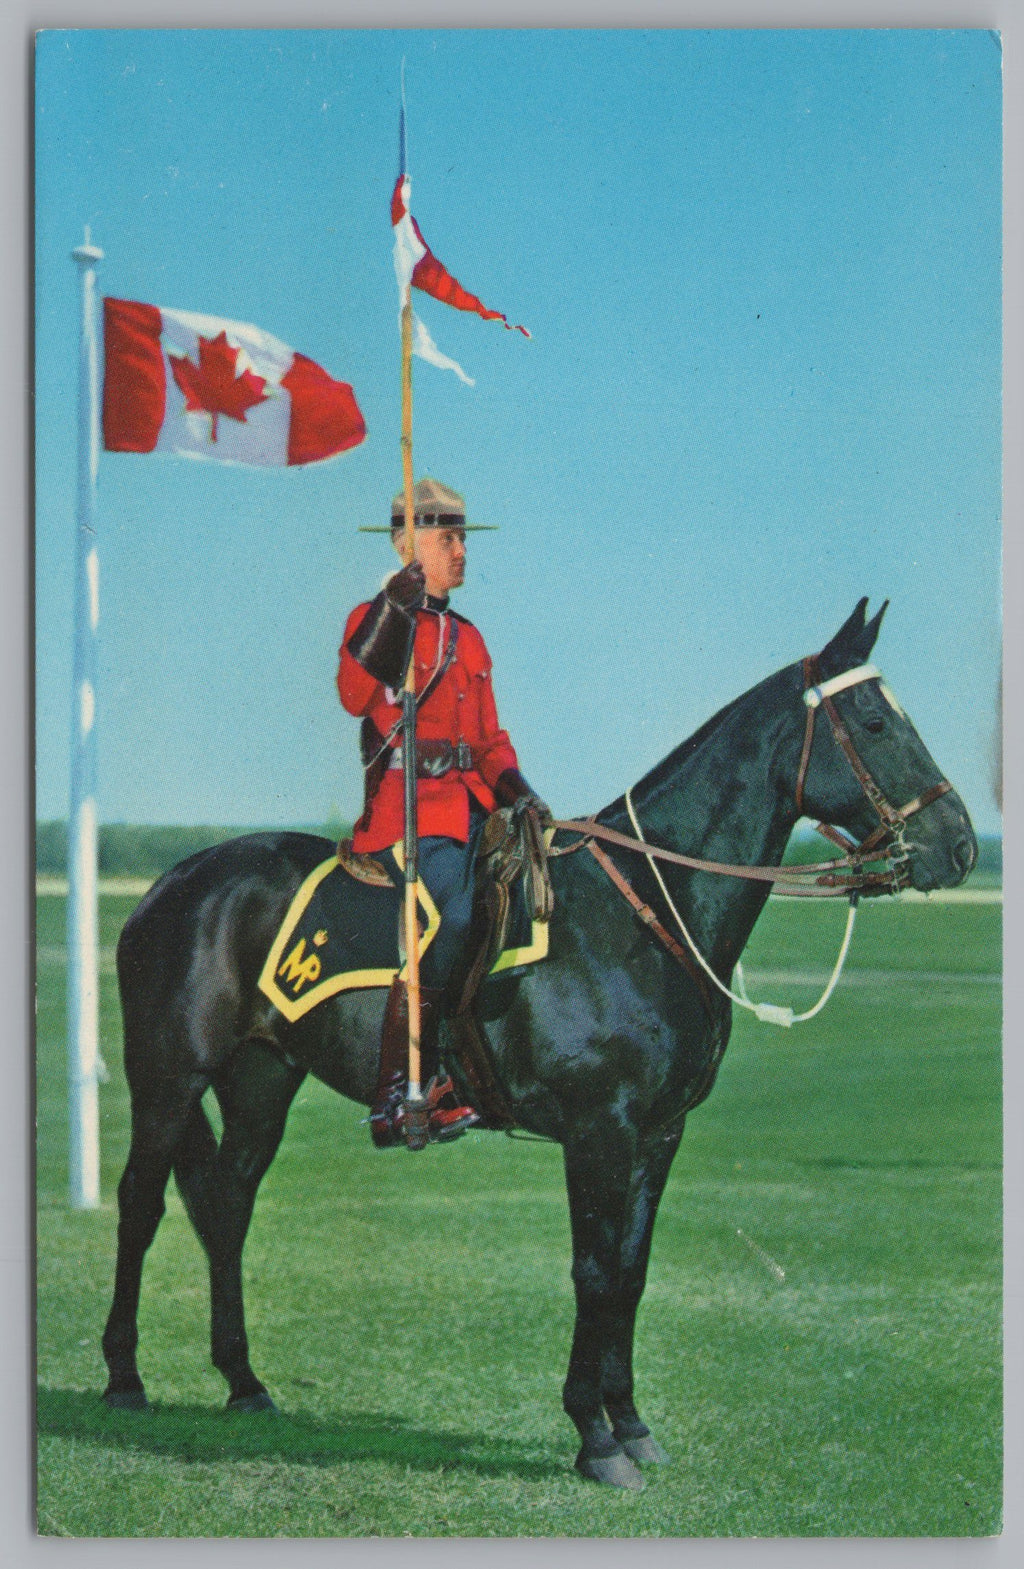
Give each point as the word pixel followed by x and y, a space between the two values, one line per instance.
pixel 518 677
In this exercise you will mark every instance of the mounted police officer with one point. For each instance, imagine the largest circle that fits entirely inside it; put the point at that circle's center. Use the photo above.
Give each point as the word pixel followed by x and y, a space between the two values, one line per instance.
pixel 466 766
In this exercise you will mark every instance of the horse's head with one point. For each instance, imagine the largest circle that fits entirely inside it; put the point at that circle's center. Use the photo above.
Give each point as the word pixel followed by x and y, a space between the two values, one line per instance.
pixel 865 769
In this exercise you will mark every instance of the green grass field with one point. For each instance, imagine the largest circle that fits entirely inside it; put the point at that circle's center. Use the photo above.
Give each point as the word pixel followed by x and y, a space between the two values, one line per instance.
pixel 412 1315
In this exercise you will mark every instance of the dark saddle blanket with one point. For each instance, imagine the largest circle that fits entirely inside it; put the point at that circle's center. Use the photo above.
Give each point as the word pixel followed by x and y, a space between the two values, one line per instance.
pixel 343 928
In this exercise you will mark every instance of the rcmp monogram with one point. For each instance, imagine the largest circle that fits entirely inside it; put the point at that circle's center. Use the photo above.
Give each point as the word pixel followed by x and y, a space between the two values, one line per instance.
pixel 299 971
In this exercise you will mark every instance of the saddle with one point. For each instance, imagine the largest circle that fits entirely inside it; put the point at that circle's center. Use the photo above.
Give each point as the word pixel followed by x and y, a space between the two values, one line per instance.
pixel 512 848
pixel 362 867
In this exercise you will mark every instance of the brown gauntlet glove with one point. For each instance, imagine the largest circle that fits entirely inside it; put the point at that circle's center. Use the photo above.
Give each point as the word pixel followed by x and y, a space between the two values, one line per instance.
pixel 512 787
pixel 382 642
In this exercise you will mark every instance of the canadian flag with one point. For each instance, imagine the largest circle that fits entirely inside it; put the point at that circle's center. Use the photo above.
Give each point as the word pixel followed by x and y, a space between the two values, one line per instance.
pixel 178 382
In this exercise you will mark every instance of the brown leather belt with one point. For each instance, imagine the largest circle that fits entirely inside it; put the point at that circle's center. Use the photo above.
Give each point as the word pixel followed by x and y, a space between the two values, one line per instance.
pixel 434 759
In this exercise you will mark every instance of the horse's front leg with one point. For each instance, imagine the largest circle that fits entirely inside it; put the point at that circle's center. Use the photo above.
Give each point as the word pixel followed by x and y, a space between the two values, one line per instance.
pixel 646 1188
pixel 598 1168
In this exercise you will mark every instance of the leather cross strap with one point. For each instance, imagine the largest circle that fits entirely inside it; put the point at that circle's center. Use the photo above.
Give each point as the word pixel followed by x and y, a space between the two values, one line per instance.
pixel 649 918
pixel 421 697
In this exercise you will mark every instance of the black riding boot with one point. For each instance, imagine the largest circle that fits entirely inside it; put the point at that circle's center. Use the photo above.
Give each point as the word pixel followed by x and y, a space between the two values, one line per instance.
pixel 446 1119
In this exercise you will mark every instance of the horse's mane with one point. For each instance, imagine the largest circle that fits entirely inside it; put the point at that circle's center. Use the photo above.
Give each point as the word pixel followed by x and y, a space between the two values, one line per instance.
pixel 680 755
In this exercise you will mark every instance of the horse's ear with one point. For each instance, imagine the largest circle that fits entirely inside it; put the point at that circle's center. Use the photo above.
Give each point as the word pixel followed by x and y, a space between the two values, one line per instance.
pixel 852 643
pixel 870 632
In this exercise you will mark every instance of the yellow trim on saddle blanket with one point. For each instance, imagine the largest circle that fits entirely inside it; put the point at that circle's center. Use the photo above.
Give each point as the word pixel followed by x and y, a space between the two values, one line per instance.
pixel 299 969
pixel 536 949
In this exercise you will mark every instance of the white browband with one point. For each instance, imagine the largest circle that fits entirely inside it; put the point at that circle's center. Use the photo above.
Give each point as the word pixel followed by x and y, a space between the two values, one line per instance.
pixel 814 694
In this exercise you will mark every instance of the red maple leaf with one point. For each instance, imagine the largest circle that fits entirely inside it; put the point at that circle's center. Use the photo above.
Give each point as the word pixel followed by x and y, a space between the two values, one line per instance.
pixel 212 386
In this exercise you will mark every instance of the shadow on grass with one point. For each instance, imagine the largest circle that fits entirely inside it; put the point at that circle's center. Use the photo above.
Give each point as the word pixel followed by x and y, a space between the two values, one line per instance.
pixel 197 1433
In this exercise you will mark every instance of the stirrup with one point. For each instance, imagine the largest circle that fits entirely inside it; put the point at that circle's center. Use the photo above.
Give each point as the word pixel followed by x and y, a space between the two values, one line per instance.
pixel 446 1118
pixel 387 1118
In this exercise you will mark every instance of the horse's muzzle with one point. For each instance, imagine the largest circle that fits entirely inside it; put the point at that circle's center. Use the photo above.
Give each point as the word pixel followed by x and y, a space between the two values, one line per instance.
pixel 942 844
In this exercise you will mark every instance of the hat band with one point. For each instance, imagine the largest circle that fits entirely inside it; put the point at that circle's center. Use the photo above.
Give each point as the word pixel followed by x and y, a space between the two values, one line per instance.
pixel 432 520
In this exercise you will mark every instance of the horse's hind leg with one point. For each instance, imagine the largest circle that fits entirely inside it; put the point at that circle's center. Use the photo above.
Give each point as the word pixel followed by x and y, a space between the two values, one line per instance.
pixel 156 1129
pixel 218 1186
pixel 649 1177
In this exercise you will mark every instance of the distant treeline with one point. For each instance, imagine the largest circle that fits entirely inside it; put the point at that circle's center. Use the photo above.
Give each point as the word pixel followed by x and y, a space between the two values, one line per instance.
pixel 142 850
pixel 139 850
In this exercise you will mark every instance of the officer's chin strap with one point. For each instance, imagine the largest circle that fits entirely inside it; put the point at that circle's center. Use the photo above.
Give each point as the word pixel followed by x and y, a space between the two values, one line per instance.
pixel 766 1012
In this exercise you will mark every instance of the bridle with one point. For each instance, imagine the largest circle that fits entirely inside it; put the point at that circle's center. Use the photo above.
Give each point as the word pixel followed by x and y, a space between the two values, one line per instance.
pixel 888 838
pixel 844 876
pixel 840 877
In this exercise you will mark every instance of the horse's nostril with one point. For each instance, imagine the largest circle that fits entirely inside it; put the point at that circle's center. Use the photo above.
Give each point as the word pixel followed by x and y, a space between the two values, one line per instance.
pixel 964 854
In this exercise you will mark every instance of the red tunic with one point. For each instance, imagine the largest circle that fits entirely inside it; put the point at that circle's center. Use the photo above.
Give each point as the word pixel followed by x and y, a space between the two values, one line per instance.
pixel 461 708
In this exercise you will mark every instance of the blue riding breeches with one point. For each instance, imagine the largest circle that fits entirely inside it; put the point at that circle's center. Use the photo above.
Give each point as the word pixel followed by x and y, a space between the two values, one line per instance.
pixel 446 868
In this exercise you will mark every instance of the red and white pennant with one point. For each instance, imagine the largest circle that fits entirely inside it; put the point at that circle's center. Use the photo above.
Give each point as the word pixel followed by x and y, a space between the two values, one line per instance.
pixel 416 267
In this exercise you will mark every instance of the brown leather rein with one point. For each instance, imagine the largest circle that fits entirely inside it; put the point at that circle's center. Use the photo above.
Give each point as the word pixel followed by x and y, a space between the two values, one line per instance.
pixel 843 876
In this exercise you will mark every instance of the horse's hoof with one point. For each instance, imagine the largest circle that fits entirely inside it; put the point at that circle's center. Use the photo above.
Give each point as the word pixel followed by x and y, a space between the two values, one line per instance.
pixel 646 1449
pixel 250 1404
pixel 126 1400
pixel 615 1470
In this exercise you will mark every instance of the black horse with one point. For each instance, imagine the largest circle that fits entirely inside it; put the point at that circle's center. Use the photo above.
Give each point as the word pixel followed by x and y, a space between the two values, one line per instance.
pixel 603 1047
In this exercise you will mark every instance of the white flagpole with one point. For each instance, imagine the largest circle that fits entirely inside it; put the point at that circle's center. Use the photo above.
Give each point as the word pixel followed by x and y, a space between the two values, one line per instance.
pixel 83 905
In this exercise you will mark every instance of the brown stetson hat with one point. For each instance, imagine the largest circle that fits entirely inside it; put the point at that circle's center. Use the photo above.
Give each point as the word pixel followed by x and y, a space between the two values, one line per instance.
pixel 436 506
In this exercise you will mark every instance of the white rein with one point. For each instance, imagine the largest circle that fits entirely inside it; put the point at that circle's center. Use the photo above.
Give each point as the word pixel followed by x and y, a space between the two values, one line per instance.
pixel 771 1012
pixel 767 1012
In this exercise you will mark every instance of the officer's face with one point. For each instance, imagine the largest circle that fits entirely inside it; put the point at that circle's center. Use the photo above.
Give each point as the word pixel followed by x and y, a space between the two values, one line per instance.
pixel 442 552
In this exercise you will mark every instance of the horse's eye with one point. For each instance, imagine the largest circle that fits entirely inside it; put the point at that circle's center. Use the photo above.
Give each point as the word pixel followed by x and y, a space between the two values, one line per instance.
pixel 874 726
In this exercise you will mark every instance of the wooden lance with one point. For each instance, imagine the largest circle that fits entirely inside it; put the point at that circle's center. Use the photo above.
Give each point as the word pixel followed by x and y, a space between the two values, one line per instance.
pixel 416 1112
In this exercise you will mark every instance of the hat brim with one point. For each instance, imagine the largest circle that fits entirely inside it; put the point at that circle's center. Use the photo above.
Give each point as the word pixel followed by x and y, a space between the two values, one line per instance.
pixel 468 528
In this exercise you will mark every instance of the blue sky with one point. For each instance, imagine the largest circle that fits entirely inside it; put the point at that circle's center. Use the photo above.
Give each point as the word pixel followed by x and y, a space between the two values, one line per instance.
pixel 761 270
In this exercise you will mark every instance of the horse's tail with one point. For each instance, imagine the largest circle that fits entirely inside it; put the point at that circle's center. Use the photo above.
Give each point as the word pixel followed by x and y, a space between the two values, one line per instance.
pixel 139 987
